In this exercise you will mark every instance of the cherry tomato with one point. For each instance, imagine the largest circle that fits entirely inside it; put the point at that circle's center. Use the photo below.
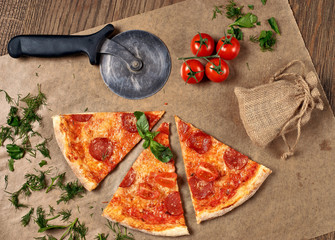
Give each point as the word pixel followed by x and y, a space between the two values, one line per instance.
pixel 228 51
pixel 207 172
pixel 194 76
pixel 166 179
pixel 202 45
pixel 216 73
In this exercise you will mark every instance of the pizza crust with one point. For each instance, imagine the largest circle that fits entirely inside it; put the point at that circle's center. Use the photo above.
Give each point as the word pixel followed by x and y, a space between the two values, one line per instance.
pixel 173 232
pixel 60 137
pixel 247 193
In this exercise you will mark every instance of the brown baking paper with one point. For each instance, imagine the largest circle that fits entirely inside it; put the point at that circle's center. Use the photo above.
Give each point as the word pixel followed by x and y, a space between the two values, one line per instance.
pixel 295 202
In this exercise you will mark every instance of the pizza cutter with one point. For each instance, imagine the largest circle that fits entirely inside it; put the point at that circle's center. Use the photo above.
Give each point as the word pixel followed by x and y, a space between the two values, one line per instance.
pixel 134 64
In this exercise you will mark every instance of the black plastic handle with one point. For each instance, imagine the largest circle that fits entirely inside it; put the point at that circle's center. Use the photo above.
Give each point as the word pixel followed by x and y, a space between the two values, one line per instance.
pixel 59 45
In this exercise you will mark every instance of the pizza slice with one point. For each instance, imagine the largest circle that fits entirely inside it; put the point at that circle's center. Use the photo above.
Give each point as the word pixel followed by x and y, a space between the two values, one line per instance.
pixel 94 143
pixel 219 177
pixel 148 198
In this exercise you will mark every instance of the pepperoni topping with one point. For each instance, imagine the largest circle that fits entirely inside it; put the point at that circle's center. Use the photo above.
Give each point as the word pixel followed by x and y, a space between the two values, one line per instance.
pixel 173 204
pixel 183 129
pixel 101 149
pixel 129 122
pixel 207 172
pixel 234 159
pixel 81 117
pixel 199 142
pixel 147 191
pixel 200 189
pixel 128 179
pixel 166 179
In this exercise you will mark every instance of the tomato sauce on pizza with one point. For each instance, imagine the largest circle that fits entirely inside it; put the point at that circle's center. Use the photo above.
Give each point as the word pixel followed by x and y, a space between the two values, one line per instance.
pixel 94 143
pixel 219 177
pixel 148 197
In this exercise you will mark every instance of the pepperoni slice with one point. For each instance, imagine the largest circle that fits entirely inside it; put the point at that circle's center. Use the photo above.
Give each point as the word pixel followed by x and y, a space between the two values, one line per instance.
pixel 81 117
pixel 128 179
pixel 129 122
pixel 183 129
pixel 166 179
pixel 173 204
pixel 199 142
pixel 207 172
pixel 147 191
pixel 200 189
pixel 101 149
pixel 234 159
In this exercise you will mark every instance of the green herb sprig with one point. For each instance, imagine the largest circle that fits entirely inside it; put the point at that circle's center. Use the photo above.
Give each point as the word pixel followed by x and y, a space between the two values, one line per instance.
pixel 121 234
pixel 26 218
pixel 160 151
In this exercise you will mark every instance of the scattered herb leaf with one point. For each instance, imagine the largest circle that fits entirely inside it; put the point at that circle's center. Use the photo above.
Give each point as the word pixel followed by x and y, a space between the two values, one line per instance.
pixel 14 151
pixel 58 181
pixel 5 133
pixel 101 236
pixel 42 163
pixel 246 21
pixel 250 6
pixel 66 214
pixel 6 181
pixel 26 218
pixel 263 2
pixel 70 191
pixel 273 24
pixel 232 11
pixel 11 164
pixel 43 149
pixel 121 234
pixel 217 10
pixel 236 32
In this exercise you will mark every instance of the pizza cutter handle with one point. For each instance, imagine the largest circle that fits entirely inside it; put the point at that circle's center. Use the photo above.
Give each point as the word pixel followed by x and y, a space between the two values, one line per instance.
pixel 59 45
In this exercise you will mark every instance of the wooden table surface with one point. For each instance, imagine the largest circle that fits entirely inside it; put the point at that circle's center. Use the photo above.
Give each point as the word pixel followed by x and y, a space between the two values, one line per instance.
pixel 315 19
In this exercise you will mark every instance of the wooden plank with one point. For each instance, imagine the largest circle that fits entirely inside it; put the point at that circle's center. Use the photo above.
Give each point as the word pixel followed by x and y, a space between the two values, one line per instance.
pixel 314 18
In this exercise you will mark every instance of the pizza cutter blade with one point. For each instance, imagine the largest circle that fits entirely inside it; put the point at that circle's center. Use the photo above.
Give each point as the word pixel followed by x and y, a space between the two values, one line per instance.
pixel 134 64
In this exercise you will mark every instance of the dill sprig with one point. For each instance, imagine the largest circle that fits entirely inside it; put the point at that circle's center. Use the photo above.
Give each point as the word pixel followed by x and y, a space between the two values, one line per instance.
pixel 26 218
pixel 33 183
pixel 70 191
pixel 101 236
pixel 56 181
pixel 66 214
pixel 121 234
pixel 20 122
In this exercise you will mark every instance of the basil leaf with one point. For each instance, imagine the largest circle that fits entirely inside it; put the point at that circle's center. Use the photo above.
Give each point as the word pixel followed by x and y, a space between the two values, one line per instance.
pixel 161 152
pixel 251 7
pixel 146 144
pixel 150 135
pixel 273 24
pixel 236 32
pixel 263 2
pixel 11 164
pixel 141 123
pixel 15 151
pixel 246 21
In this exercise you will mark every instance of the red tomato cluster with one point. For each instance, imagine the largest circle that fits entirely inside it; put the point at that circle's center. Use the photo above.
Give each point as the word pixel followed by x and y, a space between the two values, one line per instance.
pixel 217 70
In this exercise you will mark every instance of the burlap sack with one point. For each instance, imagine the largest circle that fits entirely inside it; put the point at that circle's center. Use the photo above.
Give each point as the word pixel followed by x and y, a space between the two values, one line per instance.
pixel 282 105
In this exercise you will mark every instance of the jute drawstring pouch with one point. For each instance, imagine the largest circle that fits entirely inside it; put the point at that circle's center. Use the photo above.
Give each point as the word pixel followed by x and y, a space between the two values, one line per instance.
pixel 282 105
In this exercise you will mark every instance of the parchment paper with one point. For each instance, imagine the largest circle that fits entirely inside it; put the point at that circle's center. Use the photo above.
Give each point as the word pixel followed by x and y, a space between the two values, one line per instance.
pixel 295 202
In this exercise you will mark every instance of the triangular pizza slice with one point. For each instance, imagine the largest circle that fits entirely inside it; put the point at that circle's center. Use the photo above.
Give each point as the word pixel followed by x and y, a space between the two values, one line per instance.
pixel 219 177
pixel 148 198
pixel 94 143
